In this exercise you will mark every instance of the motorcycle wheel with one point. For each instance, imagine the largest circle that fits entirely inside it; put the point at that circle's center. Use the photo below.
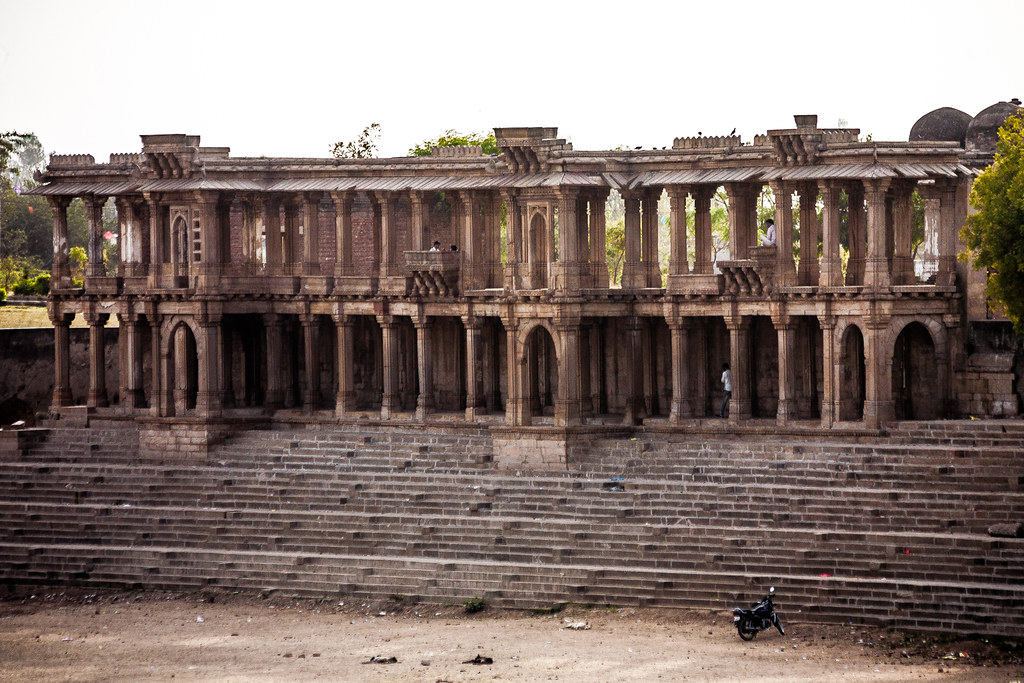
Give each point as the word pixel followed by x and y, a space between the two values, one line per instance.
pixel 746 630
pixel 778 624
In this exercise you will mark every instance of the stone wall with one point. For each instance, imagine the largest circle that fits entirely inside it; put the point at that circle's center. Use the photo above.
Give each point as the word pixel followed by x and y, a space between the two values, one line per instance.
pixel 26 368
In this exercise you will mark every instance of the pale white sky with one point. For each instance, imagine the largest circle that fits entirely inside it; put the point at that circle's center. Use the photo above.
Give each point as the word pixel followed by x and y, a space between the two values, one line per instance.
pixel 290 78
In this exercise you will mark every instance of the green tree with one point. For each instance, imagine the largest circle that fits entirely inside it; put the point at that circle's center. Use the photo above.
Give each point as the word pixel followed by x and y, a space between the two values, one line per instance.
pixel 995 234
pixel 452 138
pixel 365 147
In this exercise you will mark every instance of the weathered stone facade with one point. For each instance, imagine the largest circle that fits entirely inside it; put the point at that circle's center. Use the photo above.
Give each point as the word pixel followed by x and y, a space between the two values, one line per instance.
pixel 248 286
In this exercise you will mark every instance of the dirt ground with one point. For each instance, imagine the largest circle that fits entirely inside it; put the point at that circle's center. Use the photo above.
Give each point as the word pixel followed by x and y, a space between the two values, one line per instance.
pixel 51 635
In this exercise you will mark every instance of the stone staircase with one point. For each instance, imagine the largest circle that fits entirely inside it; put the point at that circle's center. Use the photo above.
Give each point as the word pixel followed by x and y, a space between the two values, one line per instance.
pixel 888 531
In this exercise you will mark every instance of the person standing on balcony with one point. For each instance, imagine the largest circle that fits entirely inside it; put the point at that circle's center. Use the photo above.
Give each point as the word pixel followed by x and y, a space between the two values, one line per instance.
pixel 436 247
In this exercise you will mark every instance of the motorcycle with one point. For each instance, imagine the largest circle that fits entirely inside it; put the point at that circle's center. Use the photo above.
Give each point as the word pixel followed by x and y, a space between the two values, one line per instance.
pixel 762 616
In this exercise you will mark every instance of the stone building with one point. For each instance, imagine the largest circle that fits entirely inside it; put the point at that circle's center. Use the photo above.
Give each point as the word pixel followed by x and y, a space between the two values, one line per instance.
pixel 307 289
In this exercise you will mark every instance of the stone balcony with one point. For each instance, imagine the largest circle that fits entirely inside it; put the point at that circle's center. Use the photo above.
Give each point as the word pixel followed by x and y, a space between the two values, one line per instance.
pixel 434 273
pixel 754 276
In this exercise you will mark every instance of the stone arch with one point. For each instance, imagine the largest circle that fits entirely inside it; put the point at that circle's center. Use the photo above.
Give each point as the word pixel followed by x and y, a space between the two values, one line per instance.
pixel 917 362
pixel 537 249
pixel 538 365
pixel 851 372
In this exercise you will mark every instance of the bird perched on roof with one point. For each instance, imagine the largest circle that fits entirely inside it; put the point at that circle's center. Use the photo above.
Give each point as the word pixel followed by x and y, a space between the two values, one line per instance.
pixel 733 132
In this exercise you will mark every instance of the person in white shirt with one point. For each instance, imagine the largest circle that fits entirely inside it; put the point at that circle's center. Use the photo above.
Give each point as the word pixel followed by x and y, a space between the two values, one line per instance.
pixel 727 389
pixel 768 240
pixel 436 247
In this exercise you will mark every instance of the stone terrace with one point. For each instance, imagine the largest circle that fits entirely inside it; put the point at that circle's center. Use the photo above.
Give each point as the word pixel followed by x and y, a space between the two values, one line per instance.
pixel 889 531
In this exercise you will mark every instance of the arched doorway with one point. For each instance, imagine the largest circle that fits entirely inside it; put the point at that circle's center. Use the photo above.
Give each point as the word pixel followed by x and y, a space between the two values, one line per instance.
pixel 915 375
pixel 537 254
pixel 852 391
pixel 541 386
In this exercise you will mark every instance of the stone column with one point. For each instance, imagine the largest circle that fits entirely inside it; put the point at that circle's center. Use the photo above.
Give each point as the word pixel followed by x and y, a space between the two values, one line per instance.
pixel 632 275
pixel 474 374
pixel 831 267
pixel 342 233
pixel 156 244
pixel 273 324
pixel 678 263
pixel 377 234
pixel 878 405
pixel 810 229
pixel 292 238
pixel 94 213
pixel 682 402
pixel 60 272
pixel 311 233
pixel 131 367
pixel 876 270
pixel 97 360
pixel 947 234
pixel 739 362
pixel 418 205
pixel 830 371
pixel 515 406
pixel 699 347
pixel 902 262
pixel 595 368
pixel 272 231
pixel 210 397
pixel 61 358
pixel 784 328
pixel 598 243
pixel 703 241
pixel 634 371
pixel 345 401
pixel 649 238
pixel 210 237
pixel 159 401
pixel 126 238
pixel 389 332
pixel 425 365
pixel 742 216
pixel 567 403
pixel 785 268
pixel 311 341
pixel 568 241
pixel 855 266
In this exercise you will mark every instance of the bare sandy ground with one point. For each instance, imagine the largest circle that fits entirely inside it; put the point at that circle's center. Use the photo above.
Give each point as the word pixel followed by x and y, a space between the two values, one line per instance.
pixel 118 636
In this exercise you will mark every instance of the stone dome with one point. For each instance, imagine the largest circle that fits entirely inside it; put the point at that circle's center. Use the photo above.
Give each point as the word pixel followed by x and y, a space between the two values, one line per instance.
pixel 982 134
pixel 946 124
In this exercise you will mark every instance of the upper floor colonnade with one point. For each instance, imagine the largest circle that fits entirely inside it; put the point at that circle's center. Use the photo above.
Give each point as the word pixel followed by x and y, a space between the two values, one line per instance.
pixel 531 219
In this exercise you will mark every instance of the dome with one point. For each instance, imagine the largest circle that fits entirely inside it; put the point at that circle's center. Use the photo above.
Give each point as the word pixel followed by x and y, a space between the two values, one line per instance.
pixel 946 124
pixel 982 134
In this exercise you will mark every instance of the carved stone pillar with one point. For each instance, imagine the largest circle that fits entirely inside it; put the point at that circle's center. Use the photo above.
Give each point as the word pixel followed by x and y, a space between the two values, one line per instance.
pixel 513 240
pixel 568 242
pixel 156 243
pixel 902 261
pixel 785 267
pixel 567 403
pixel 876 269
pixel 311 341
pixel 474 372
pixel 274 326
pixel 632 275
pixel 209 397
pixel 649 238
pixel 831 267
pixel 274 249
pixel 703 242
pixel 345 401
pixel 739 361
pixel 210 240
pixel 94 213
pixel 97 397
pixel 425 365
pixel 810 230
pixel 678 263
pixel 879 409
pixel 292 257
pixel 515 405
pixel 682 401
pixel 61 358
pixel 342 233
pixel 131 367
pixel 947 234
pixel 787 360
pixel 60 272
pixel 742 219
pixel 311 233
pixel 634 372
pixel 598 243
pixel 831 369
pixel 389 332
pixel 855 266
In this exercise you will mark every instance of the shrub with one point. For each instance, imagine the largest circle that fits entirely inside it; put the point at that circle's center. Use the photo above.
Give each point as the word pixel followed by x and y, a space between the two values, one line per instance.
pixel 474 604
